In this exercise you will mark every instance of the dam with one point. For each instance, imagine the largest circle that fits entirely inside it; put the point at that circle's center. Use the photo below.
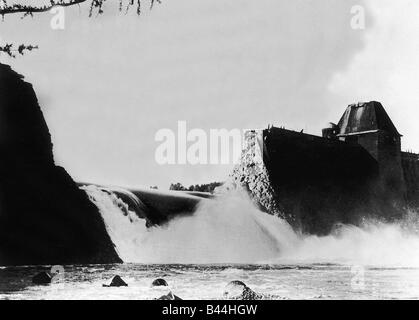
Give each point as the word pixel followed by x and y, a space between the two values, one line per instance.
pixel 354 170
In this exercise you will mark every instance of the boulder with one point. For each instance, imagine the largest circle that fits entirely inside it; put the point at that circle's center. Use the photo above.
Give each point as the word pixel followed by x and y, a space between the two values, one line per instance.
pixel 159 283
pixel 238 290
pixel 42 278
pixel 169 296
pixel 116 282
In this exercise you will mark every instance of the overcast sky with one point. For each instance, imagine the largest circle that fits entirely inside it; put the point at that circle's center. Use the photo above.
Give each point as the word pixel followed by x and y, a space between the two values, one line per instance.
pixel 107 84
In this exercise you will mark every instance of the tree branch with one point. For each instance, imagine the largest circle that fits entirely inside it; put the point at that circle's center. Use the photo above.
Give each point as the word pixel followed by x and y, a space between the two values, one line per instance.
pixel 8 49
pixel 94 4
pixel 19 8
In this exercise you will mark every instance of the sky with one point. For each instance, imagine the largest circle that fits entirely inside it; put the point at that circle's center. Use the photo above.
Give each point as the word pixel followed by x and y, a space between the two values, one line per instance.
pixel 108 84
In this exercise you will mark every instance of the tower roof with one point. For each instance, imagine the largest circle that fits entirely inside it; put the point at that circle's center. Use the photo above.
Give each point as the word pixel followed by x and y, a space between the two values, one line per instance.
pixel 366 117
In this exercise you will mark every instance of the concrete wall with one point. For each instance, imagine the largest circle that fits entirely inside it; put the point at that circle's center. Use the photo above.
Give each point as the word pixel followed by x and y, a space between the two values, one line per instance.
pixel 410 164
pixel 390 166
pixel 385 148
pixel 320 182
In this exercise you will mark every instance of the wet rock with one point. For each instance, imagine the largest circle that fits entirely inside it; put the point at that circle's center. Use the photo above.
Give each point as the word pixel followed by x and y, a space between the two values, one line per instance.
pixel 238 290
pixel 116 282
pixel 42 278
pixel 169 296
pixel 159 283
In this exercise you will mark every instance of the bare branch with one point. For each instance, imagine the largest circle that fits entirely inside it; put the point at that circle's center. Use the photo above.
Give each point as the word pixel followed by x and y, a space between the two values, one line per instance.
pixel 152 3
pixel 19 8
pixel 8 49
pixel 30 10
pixel 97 5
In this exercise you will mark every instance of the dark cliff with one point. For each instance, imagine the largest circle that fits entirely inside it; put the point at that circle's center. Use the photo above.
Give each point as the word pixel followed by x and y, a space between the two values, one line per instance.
pixel 44 217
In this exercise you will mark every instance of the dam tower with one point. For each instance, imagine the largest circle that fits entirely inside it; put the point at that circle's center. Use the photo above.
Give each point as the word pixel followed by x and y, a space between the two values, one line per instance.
pixel 369 125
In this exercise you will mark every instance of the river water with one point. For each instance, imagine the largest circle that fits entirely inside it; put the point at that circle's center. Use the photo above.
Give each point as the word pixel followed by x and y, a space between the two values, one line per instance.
pixel 208 282
pixel 229 239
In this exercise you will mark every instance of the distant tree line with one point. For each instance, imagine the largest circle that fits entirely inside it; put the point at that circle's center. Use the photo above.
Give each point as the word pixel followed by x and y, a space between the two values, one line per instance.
pixel 209 187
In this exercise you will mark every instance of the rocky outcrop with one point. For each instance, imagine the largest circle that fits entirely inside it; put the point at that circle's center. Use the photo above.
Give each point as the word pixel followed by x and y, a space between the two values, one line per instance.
pixel 44 217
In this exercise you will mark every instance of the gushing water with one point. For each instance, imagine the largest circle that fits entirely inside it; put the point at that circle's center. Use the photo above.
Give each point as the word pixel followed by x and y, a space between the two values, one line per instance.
pixel 230 229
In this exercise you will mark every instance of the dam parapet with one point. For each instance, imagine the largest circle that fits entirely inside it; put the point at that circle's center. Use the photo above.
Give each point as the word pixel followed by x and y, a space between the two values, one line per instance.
pixel 355 169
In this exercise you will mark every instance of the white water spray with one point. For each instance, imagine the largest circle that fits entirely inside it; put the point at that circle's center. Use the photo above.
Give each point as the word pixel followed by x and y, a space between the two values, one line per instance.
pixel 230 229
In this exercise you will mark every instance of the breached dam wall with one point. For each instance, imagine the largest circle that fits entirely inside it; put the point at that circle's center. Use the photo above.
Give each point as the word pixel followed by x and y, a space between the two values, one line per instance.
pixel 252 175
pixel 312 182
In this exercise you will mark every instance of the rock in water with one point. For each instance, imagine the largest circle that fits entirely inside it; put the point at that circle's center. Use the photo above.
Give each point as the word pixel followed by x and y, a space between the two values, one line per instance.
pixel 44 217
pixel 169 296
pixel 42 278
pixel 238 290
pixel 159 283
pixel 117 282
